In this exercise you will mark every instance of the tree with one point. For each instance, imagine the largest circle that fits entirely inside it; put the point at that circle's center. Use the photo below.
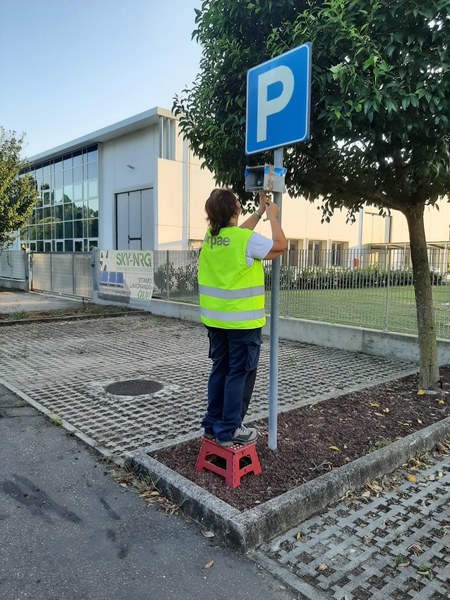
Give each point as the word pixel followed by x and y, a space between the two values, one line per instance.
pixel 17 193
pixel 379 112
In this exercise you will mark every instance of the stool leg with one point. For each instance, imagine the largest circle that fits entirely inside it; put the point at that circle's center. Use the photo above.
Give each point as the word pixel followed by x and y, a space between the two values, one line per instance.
pixel 200 464
pixel 236 474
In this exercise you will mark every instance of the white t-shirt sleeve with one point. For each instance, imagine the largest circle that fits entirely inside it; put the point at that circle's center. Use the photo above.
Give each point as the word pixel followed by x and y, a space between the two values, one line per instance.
pixel 258 246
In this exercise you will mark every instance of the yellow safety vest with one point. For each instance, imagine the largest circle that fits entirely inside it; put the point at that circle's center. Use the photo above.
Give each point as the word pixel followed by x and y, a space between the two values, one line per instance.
pixel 231 293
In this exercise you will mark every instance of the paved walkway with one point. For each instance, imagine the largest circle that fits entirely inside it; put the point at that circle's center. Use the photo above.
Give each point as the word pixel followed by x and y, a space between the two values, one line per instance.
pixel 13 301
pixel 65 367
pixel 391 541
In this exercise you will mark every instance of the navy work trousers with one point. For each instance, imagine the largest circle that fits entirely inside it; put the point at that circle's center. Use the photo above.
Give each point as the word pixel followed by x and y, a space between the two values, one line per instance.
pixel 235 356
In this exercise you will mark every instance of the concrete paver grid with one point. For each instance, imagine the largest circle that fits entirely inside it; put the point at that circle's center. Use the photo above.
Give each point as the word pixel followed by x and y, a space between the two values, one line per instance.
pixel 65 367
pixel 366 550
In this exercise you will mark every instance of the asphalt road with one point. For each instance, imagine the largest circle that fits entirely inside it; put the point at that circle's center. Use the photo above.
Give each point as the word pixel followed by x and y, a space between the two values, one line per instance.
pixel 69 531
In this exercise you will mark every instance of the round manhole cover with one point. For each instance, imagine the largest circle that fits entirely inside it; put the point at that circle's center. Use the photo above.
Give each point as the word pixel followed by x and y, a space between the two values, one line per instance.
pixel 134 387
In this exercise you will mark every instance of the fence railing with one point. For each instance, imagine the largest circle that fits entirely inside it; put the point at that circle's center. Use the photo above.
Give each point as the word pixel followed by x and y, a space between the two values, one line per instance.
pixel 13 265
pixel 67 273
pixel 367 289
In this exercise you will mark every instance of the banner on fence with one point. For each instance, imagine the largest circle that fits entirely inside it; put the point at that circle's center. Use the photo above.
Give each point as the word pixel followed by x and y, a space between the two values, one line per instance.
pixel 125 275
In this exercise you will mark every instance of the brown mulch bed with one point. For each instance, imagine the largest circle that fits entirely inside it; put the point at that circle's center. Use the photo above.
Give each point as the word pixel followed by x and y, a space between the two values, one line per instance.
pixel 314 439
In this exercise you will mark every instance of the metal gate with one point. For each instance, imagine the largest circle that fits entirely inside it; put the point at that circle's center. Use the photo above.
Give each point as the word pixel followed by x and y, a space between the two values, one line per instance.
pixel 67 273
pixel 13 265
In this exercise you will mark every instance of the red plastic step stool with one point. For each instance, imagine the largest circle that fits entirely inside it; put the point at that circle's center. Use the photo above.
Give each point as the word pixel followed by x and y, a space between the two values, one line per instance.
pixel 232 456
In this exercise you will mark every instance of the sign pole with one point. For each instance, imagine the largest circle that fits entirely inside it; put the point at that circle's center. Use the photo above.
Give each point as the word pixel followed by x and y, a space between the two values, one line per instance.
pixel 274 320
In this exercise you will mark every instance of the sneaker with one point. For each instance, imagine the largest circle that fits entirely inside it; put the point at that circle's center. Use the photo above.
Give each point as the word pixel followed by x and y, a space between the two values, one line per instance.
pixel 209 435
pixel 242 435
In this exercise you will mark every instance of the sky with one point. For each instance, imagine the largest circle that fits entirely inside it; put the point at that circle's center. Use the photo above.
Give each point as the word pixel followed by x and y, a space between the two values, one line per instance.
pixel 71 67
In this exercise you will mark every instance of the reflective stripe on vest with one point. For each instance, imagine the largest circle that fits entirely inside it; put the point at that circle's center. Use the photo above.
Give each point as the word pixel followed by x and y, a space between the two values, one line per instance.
pixel 249 315
pixel 231 294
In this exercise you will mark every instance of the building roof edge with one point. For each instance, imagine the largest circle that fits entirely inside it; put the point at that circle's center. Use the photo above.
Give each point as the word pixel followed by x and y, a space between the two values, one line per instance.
pixel 134 123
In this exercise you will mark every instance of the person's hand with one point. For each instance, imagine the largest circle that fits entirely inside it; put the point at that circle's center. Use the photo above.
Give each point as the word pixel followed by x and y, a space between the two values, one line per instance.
pixel 271 209
pixel 264 198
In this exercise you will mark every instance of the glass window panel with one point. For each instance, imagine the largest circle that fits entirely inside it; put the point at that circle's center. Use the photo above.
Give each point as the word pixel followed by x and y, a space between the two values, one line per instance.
pixel 58 194
pixel 93 206
pixel 78 192
pixel 92 154
pixel 48 212
pixel 78 229
pixel 92 228
pixel 93 189
pixel 78 246
pixel 68 176
pixel 59 230
pixel 68 212
pixel 32 232
pixel 59 246
pixel 68 230
pixel 78 158
pixel 38 214
pixel 39 201
pixel 58 178
pixel 67 162
pixel 48 231
pixel 68 245
pixel 92 170
pixel 32 246
pixel 78 212
pixel 58 165
pixel 77 174
pixel 39 232
pixel 92 244
pixel 68 193
pixel 46 170
pixel 40 246
pixel 59 214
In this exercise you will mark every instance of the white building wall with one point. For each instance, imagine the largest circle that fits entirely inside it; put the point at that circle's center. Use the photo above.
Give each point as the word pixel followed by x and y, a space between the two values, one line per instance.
pixel 129 160
pixel 127 163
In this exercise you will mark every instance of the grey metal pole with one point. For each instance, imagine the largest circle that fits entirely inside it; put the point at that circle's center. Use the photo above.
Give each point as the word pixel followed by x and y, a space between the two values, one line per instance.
pixel 274 314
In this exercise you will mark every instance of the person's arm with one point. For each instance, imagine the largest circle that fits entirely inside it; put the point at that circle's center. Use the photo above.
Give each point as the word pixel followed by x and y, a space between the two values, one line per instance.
pixel 254 219
pixel 278 237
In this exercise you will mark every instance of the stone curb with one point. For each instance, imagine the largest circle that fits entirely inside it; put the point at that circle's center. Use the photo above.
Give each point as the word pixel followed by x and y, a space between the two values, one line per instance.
pixel 246 530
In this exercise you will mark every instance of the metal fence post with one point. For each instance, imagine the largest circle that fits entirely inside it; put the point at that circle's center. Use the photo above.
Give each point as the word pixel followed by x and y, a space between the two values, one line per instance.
pixel 167 275
pixel 388 272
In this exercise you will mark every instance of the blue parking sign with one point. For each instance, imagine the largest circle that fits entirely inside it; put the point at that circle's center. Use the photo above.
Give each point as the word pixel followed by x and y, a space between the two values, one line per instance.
pixel 278 101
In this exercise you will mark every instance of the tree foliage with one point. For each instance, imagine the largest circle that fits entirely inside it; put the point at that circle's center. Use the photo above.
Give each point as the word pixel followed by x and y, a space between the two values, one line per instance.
pixel 380 96
pixel 17 194
pixel 380 109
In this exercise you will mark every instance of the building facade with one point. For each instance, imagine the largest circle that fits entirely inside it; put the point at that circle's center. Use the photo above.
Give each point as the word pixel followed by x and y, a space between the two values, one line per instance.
pixel 136 185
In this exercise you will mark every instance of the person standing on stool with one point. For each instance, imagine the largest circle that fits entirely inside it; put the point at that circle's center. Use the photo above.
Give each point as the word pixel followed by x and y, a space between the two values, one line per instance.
pixel 231 290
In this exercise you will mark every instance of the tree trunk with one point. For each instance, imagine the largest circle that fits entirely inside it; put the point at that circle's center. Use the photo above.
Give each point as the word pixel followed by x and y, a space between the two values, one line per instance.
pixel 429 378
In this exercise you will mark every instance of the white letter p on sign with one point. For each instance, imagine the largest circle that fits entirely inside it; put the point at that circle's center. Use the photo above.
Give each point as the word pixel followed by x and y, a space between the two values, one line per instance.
pixel 268 107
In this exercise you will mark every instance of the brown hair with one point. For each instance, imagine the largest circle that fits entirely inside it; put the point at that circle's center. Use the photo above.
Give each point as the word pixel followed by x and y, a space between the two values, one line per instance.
pixel 220 208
